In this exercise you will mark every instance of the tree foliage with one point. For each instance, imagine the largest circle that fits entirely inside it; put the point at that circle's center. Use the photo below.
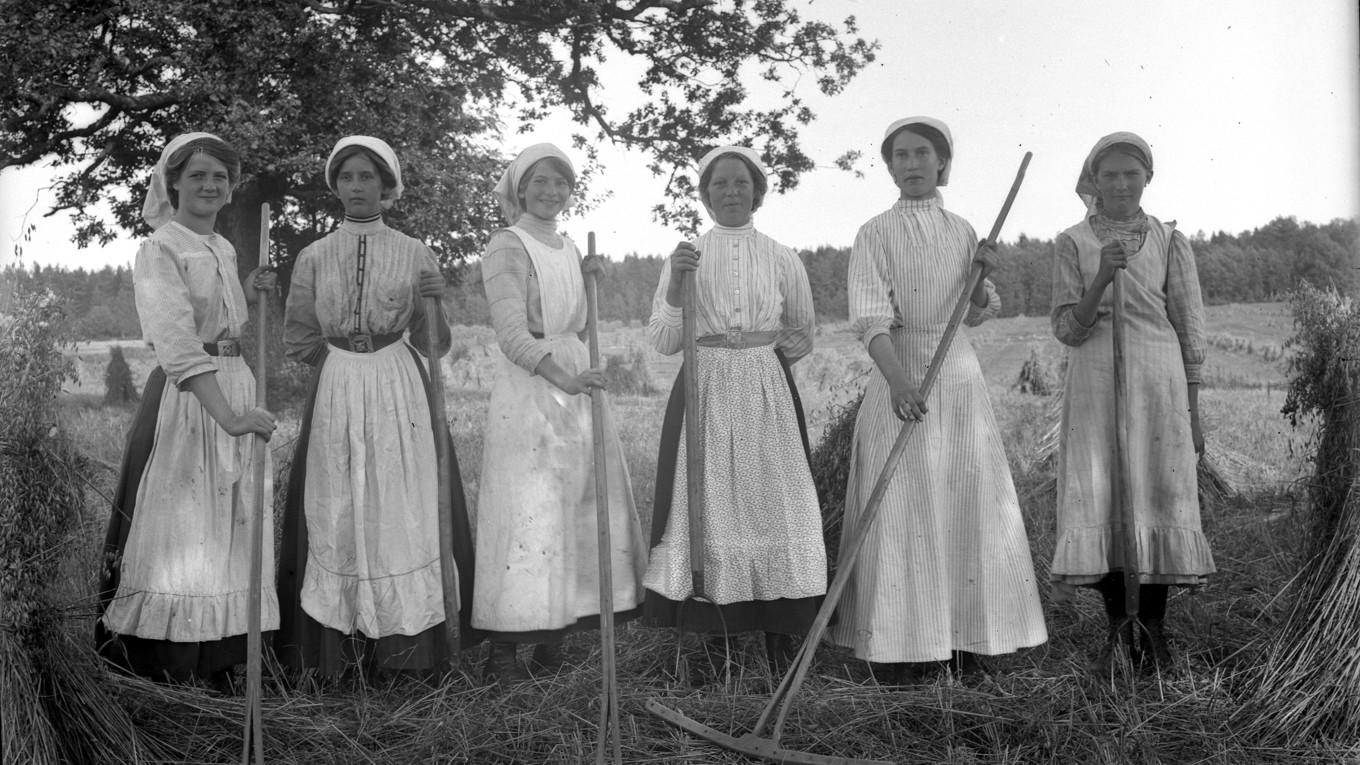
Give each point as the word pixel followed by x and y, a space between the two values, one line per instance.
pixel 98 86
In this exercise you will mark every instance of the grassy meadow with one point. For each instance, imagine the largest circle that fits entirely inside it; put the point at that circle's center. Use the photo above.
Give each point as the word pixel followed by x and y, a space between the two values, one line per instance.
pixel 1038 706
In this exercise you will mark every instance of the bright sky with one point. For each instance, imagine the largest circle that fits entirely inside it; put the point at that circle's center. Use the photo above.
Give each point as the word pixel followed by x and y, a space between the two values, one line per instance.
pixel 1252 110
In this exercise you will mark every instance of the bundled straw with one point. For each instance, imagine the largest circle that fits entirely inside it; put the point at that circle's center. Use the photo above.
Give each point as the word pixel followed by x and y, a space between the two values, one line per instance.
pixel 1309 684
pixel 53 704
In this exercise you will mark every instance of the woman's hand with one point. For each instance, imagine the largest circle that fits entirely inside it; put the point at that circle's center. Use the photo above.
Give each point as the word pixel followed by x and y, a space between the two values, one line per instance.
pixel 986 257
pixel 1113 258
pixel 684 259
pixel 258 421
pixel 906 401
pixel 431 285
pixel 593 264
pixel 258 282
pixel 263 279
pixel 583 382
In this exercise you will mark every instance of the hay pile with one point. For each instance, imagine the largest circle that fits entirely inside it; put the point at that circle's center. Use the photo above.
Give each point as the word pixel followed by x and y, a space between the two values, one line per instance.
pixel 54 705
pixel 1309 685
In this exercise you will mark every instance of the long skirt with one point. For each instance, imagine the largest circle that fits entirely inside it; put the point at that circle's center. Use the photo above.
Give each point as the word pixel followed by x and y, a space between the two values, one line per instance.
pixel 537 547
pixel 174 582
pixel 363 616
pixel 764 553
pixel 947 564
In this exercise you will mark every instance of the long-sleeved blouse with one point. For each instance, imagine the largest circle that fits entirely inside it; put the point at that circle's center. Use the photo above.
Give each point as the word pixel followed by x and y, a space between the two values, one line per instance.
pixel 513 296
pixel 1184 306
pixel 875 309
pixel 187 294
pixel 747 281
pixel 324 289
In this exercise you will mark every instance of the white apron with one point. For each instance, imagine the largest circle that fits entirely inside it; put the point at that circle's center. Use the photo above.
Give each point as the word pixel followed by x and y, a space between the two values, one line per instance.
pixel 186 568
pixel 537 550
pixel 371 502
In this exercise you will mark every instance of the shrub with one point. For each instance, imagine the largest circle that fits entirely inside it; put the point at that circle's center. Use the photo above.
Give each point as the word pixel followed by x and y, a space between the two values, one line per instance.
pixel 54 707
pixel 118 386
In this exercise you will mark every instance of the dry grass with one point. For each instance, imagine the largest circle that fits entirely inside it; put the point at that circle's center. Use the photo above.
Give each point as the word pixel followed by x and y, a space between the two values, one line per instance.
pixel 1040 706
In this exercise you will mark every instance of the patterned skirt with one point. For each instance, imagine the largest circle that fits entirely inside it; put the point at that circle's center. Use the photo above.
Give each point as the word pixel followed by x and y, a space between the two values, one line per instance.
pixel 764 555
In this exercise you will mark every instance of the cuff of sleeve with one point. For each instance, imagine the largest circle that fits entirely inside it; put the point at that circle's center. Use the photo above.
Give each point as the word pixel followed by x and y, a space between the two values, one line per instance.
pixel 871 332
pixel 182 382
pixel 670 315
pixel 530 360
pixel 1077 331
pixel 1194 374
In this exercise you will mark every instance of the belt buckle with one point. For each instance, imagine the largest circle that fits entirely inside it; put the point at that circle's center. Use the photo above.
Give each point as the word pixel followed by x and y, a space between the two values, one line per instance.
pixel 228 348
pixel 361 342
pixel 734 338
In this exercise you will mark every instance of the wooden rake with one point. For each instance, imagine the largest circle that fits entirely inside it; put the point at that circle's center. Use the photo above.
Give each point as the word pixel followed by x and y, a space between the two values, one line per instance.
pixel 253 728
pixel 766 747
pixel 609 688
pixel 448 571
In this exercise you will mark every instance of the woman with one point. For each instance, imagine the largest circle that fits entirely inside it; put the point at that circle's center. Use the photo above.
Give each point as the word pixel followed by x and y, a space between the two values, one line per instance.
pixel 764 557
pixel 1163 352
pixel 946 574
pixel 360 580
pixel 175 583
pixel 536 508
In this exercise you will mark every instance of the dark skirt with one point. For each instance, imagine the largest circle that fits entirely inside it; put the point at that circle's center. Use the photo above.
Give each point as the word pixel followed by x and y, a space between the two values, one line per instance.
pixel 789 616
pixel 156 659
pixel 303 643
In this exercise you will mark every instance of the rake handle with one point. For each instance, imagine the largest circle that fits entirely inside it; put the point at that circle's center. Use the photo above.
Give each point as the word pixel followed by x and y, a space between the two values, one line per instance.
pixel 1122 490
pixel 694 458
pixel 448 571
pixel 609 692
pixel 254 722
pixel 788 687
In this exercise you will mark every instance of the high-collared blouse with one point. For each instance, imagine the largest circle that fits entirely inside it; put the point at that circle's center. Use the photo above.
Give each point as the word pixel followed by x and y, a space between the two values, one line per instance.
pixel 1184 306
pixel 187 294
pixel 324 289
pixel 747 281
pixel 907 267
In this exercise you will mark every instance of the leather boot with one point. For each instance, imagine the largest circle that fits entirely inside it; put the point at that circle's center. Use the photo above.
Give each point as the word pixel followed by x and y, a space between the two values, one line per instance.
pixel 1118 648
pixel 502 665
pixel 1155 651
pixel 546 659
pixel 779 653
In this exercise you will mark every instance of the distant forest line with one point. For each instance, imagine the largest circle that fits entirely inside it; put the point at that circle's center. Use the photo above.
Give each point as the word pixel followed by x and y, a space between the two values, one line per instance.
pixel 1254 266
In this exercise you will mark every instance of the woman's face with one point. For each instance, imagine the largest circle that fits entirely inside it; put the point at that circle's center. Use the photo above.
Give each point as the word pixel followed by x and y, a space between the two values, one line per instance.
pixel 914 165
pixel 731 192
pixel 1120 179
pixel 204 185
pixel 359 186
pixel 545 192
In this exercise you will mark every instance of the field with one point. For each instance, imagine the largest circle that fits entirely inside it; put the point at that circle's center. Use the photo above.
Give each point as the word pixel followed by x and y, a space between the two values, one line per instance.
pixel 1039 706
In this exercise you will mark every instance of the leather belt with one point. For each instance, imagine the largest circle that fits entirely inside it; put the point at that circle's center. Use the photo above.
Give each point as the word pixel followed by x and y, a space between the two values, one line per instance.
pixel 738 339
pixel 375 342
pixel 223 348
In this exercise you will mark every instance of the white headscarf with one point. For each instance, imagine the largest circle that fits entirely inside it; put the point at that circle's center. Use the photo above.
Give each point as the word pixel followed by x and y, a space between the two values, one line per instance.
pixel 929 122
pixel 377 146
pixel 507 188
pixel 1133 144
pixel 746 153
pixel 156 208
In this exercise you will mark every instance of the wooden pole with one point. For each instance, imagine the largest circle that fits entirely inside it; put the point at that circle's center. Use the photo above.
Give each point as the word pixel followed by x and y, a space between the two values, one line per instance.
pixel 254 722
pixel 609 692
pixel 448 571
pixel 694 451
pixel 1121 489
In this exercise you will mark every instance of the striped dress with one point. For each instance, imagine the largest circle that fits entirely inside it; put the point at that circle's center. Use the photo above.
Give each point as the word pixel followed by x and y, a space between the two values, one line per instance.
pixel 947 567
